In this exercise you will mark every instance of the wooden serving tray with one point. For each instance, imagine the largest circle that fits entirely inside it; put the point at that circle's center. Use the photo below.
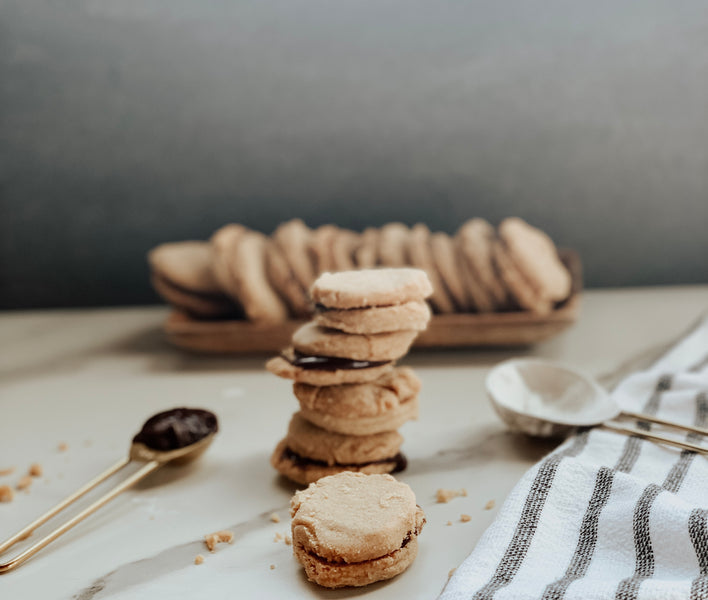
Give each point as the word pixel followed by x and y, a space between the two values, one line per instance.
pixel 444 331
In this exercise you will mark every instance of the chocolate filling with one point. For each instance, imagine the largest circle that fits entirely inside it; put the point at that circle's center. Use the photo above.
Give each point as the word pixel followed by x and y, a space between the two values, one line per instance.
pixel 214 296
pixel 401 462
pixel 329 363
pixel 177 428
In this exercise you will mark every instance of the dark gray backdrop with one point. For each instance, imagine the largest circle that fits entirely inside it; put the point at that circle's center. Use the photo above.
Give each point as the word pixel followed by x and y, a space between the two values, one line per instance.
pixel 125 123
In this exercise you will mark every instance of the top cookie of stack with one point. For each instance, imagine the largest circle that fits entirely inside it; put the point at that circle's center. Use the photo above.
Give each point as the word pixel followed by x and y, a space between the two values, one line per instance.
pixel 481 269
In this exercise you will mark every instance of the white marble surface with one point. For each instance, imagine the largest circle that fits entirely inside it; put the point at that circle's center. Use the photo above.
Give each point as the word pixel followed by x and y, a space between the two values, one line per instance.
pixel 90 377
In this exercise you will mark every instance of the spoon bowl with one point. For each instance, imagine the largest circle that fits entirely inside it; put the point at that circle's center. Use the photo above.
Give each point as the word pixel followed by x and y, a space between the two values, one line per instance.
pixel 546 399
pixel 181 456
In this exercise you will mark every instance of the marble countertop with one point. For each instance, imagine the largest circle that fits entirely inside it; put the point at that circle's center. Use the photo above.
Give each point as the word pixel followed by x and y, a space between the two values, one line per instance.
pixel 89 378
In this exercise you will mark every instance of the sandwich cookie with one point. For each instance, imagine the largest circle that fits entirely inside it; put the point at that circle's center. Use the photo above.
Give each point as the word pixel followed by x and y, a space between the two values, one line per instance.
pixel 325 370
pixel 475 241
pixel 343 246
pixel 366 252
pixel 353 529
pixel 413 315
pixel 284 282
pixel 313 340
pixel 308 452
pixel 535 256
pixel 421 257
pixel 182 274
pixel 362 409
pixel 370 287
pixel 242 264
pixel 393 245
pixel 322 246
pixel 293 238
pixel 445 260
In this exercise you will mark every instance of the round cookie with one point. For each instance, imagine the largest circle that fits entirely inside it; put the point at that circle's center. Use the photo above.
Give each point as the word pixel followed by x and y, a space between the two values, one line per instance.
pixel 293 238
pixel 314 340
pixel 304 471
pixel 413 315
pixel 283 280
pixel 366 252
pixel 445 259
pixel 186 265
pixel 370 287
pixel 248 269
pixel 198 305
pixel 321 248
pixel 312 442
pixel 393 245
pixel 535 255
pixel 421 257
pixel 343 246
pixel 362 409
pixel 282 366
pixel 223 243
pixel 474 240
pixel 519 288
pixel 353 529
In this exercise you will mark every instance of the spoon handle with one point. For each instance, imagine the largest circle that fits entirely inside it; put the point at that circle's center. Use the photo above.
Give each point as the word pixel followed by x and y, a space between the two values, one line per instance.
pixel 658 421
pixel 662 439
pixel 36 547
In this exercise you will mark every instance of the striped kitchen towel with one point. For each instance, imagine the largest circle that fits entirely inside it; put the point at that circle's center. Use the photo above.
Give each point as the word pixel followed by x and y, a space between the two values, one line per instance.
pixel 608 516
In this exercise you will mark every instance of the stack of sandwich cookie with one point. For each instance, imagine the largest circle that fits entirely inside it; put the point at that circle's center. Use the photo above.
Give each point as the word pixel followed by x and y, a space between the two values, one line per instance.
pixel 352 396
pixel 352 529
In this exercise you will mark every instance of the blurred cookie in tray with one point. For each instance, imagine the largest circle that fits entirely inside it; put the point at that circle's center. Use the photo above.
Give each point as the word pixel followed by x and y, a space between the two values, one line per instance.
pixel 502 285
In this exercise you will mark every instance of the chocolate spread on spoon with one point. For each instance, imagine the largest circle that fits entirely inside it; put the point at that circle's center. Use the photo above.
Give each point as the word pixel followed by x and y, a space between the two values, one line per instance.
pixel 177 428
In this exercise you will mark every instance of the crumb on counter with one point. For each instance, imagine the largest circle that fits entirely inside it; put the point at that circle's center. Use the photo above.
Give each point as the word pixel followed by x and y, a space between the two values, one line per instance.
pixel 449 523
pixel 24 483
pixel 278 537
pixel 219 537
pixel 35 470
pixel 63 447
pixel 451 572
pixel 489 505
pixel 288 540
pixel 465 518
pixel 6 493
pixel 275 518
pixel 443 495
pixel 8 471
pixel 272 567
pixel 198 559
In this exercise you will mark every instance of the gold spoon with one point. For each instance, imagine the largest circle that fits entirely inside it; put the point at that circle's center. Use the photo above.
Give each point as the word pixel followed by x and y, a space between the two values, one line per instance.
pixel 153 459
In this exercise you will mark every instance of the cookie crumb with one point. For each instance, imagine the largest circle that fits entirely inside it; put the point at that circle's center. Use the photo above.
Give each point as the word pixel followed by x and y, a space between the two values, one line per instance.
pixel 6 493
pixel 272 567
pixel 465 518
pixel 450 572
pixel 24 483
pixel 489 505
pixel 8 471
pixel 198 559
pixel 219 537
pixel 288 540
pixel 449 523
pixel 63 447
pixel 277 537
pixel 442 496
pixel 275 518
pixel 35 470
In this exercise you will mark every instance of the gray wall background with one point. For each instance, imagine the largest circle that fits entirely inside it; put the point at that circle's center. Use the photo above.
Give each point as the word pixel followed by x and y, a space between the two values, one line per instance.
pixel 125 123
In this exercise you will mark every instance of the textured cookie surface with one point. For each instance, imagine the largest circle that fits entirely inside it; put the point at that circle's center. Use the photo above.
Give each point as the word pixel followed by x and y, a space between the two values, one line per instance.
pixel 370 287
pixel 361 409
pixel 412 316
pixel 186 265
pixel 315 443
pixel 352 517
pixel 283 367
pixel 535 255
pixel 320 341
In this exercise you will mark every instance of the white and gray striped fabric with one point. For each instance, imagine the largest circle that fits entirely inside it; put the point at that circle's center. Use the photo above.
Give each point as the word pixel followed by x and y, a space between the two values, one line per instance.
pixel 608 516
